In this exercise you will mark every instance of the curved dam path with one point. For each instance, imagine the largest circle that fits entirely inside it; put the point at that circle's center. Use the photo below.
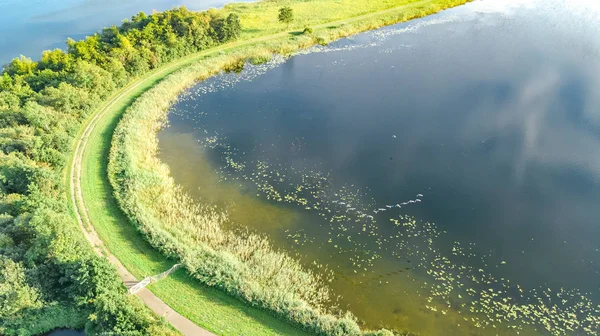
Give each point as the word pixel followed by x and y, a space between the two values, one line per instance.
pixel 102 222
pixel 182 324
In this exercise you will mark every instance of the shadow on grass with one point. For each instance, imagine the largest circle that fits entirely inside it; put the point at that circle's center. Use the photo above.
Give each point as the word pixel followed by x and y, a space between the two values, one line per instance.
pixel 251 30
pixel 131 236
pixel 192 290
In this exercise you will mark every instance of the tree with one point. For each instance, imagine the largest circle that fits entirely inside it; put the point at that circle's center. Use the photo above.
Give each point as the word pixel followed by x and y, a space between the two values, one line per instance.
pixel 286 14
pixel 15 293
pixel 95 80
pixel 43 269
pixel 44 78
pixel 67 99
pixel 55 60
pixel 8 101
pixel 21 66
pixel 6 82
pixel 87 50
pixel 139 17
pixel 234 25
pixel 227 29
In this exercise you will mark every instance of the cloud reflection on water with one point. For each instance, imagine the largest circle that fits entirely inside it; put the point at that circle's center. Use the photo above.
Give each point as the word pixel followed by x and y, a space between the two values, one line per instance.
pixel 493 125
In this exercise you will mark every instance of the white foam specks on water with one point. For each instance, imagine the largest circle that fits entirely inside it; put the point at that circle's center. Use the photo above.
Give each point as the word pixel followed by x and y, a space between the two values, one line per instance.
pixel 378 37
pixel 501 6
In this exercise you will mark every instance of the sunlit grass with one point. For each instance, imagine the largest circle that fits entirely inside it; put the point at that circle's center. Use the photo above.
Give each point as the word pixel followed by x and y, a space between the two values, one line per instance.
pixel 259 19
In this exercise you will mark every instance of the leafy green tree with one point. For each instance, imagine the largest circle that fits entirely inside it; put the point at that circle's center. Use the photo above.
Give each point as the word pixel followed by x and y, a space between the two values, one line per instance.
pixel 97 81
pixel 137 64
pixel 15 174
pixel 8 101
pixel 12 118
pixel 17 85
pixel 87 50
pixel 15 293
pixel 56 60
pixel 43 269
pixel 6 82
pixel 67 99
pixel 21 66
pixel 117 70
pixel 286 14
pixel 227 29
pixel 139 17
pixel 234 26
pixel 44 78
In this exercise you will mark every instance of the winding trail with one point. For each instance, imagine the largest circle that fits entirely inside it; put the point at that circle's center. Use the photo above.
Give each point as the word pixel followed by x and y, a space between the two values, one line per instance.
pixel 182 324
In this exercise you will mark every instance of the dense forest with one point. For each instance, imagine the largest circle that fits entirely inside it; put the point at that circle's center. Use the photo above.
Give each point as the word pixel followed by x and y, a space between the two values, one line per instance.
pixel 49 276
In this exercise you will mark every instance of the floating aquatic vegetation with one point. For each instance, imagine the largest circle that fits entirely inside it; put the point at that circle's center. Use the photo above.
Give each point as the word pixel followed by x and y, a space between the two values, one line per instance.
pixel 362 231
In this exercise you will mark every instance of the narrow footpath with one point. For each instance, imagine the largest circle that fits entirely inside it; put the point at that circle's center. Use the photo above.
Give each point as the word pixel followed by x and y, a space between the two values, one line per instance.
pixel 182 324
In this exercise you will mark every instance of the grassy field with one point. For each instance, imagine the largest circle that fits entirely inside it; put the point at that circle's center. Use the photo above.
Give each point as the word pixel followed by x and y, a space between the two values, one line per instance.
pixel 211 308
pixel 260 18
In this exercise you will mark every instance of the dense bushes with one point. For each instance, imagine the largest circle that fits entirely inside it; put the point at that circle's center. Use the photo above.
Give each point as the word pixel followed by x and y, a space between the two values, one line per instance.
pixel 45 266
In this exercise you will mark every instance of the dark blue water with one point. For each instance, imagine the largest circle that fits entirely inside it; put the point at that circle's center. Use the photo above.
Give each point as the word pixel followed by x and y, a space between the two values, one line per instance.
pixel 28 27
pixel 473 139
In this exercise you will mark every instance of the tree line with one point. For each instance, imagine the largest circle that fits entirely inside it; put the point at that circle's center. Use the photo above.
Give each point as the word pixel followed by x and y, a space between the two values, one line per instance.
pixel 48 275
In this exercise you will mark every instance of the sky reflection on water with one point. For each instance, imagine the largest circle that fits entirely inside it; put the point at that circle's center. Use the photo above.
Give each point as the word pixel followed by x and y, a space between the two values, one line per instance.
pixel 31 26
pixel 489 110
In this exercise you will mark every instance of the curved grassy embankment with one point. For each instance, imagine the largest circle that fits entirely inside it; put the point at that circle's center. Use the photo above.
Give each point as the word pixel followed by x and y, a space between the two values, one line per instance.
pixel 172 224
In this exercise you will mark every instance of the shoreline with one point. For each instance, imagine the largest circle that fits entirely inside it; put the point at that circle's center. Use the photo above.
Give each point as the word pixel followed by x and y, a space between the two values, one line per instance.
pixel 176 86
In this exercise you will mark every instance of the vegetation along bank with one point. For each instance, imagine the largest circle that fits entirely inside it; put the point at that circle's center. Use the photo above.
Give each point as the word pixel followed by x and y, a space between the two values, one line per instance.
pixel 243 265
pixel 49 276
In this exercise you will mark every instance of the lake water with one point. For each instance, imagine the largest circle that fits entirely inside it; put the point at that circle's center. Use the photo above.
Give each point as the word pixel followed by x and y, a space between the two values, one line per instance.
pixel 28 27
pixel 446 170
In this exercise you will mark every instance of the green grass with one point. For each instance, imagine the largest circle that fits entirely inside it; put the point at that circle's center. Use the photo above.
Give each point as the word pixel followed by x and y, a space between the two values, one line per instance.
pixel 222 313
pixel 208 307
pixel 260 18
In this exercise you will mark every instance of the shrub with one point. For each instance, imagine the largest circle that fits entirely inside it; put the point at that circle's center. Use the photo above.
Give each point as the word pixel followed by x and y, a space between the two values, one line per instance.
pixel 236 66
pixel 286 15
pixel 260 58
